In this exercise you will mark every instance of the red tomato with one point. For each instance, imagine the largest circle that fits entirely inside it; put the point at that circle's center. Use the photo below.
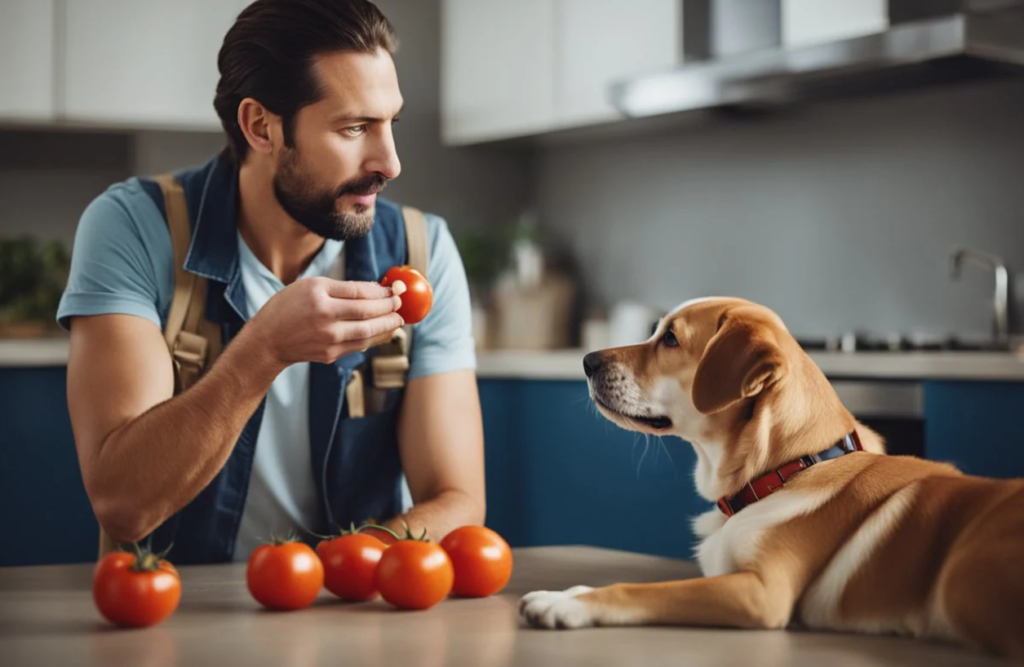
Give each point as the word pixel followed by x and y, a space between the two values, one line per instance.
pixel 350 565
pixel 135 590
pixel 414 575
pixel 284 575
pixel 419 297
pixel 482 561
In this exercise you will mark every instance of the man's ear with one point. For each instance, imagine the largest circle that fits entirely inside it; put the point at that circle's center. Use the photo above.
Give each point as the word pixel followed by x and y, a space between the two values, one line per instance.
pixel 257 124
pixel 740 361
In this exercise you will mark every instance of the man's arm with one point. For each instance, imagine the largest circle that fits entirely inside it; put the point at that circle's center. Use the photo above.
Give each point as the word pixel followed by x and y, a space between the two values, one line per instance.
pixel 441 441
pixel 144 455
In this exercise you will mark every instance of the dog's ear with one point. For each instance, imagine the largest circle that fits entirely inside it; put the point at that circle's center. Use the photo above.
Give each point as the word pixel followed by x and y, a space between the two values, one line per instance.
pixel 741 360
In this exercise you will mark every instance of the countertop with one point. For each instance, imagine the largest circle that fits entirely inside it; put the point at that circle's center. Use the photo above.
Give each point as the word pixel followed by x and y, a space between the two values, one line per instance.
pixel 47 618
pixel 568 364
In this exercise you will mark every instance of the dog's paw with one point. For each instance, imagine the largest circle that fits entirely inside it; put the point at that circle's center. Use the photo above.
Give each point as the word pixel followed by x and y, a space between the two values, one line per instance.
pixel 557 609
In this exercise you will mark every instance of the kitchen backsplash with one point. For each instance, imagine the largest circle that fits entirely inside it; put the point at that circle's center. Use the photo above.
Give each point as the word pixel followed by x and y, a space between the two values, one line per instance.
pixel 840 217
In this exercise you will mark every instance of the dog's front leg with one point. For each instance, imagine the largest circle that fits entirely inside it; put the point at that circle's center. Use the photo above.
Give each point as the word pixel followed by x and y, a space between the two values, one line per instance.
pixel 741 600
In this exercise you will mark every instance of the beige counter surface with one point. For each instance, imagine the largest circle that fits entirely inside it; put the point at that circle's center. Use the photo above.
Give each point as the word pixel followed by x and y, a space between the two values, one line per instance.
pixel 568 364
pixel 47 618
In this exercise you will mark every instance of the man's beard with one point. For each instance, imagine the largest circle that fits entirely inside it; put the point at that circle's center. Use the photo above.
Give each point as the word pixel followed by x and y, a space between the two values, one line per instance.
pixel 318 211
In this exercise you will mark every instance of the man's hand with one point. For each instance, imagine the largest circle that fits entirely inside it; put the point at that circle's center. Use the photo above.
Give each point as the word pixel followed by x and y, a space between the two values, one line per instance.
pixel 320 319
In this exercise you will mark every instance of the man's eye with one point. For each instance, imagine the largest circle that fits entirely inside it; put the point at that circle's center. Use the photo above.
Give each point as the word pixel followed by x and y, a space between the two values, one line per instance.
pixel 355 131
pixel 670 339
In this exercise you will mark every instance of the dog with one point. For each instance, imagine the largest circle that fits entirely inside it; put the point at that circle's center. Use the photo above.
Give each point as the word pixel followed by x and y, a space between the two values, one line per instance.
pixel 815 526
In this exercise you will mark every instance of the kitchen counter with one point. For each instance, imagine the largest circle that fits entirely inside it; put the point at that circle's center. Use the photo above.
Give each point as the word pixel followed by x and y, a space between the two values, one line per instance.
pixel 47 618
pixel 568 364
pixel 28 352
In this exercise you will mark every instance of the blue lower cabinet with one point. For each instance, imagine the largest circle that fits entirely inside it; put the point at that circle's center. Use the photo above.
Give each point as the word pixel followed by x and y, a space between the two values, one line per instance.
pixel 559 473
pixel 977 426
pixel 45 515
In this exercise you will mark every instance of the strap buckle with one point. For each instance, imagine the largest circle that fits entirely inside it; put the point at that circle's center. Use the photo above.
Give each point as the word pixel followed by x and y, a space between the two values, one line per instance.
pixel 390 365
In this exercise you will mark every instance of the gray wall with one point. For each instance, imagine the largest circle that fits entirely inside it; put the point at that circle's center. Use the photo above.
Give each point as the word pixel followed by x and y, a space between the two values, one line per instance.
pixel 47 178
pixel 839 216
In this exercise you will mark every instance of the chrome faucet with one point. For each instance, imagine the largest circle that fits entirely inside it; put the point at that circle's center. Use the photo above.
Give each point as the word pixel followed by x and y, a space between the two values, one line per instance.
pixel 1000 319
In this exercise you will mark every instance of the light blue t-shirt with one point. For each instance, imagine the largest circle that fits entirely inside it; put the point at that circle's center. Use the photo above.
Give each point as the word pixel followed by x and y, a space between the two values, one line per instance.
pixel 123 263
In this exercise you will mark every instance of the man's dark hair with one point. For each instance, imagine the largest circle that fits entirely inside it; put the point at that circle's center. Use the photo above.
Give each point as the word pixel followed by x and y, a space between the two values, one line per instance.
pixel 268 55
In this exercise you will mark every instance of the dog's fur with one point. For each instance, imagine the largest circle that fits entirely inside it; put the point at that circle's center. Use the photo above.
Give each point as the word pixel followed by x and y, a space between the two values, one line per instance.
pixel 866 542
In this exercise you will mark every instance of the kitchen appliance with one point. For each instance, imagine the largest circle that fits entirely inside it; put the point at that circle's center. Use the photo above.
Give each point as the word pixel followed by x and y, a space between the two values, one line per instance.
pixel 738 58
pixel 862 341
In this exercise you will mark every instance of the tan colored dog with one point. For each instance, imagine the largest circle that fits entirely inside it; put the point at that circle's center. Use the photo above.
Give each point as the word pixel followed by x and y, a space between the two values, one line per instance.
pixel 856 541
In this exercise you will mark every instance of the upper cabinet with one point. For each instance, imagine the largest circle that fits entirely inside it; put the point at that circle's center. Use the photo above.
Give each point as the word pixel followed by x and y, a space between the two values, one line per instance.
pixel 807 22
pixel 518 68
pixel 497 68
pixel 601 41
pixel 27 50
pixel 144 63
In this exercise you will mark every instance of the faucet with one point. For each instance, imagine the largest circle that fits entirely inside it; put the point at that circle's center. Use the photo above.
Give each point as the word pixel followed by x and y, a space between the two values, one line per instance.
pixel 1000 319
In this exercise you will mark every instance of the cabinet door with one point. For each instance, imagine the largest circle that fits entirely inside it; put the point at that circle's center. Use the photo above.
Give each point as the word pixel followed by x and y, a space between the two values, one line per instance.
pixel 602 41
pixel 497 69
pixel 811 21
pixel 145 63
pixel 975 426
pixel 27 74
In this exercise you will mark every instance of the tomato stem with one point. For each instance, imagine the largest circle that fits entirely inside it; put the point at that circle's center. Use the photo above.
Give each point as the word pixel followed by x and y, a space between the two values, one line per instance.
pixel 373 526
pixel 146 560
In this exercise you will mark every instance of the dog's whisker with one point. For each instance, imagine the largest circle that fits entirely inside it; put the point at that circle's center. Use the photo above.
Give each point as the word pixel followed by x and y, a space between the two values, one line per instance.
pixel 664 447
pixel 647 445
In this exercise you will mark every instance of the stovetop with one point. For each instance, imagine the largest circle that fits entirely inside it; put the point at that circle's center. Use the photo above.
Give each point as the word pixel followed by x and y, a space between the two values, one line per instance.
pixel 897 342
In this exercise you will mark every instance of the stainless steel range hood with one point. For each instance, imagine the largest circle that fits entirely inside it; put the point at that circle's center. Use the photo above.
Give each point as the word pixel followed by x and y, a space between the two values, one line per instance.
pixel 955 46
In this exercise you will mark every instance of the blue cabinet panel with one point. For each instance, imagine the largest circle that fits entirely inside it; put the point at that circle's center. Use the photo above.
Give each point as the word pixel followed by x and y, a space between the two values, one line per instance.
pixel 976 426
pixel 559 473
pixel 45 516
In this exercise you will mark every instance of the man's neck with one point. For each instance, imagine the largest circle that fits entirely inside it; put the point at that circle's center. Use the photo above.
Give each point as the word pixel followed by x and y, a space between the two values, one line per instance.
pixel 282 245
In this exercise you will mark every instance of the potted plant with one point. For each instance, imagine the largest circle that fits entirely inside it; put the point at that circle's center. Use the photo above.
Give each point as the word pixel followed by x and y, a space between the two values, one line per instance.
pixel 32 278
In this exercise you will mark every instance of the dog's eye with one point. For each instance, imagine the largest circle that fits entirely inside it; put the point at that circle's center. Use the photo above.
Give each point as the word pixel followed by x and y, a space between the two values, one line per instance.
pixel 670 339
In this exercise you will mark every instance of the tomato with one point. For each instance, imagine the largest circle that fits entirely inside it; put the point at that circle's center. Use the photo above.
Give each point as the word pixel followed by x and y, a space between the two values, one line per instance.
pixel 413 574
pixel 418 298
pixel 284 575
pixel 482 561
pixel 350 565
pixel 135 589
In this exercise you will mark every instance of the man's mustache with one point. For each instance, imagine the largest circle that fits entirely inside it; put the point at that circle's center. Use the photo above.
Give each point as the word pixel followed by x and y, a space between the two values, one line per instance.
pixel 370 185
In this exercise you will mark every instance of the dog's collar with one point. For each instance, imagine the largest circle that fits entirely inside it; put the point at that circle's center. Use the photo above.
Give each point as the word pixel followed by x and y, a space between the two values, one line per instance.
pixel 772 481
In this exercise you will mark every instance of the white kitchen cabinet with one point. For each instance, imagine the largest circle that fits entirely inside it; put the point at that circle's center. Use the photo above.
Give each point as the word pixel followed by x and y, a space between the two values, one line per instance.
pixel 807 22
pixel 497 68
pixel 27 46
pixel 602 41
pixel 144 63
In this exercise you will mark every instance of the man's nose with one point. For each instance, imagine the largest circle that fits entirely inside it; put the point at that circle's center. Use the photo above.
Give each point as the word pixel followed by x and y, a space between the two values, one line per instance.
pixel 385 160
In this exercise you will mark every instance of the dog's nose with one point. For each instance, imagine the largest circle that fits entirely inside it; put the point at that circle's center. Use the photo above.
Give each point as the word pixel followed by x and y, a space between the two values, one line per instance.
pixel 592 363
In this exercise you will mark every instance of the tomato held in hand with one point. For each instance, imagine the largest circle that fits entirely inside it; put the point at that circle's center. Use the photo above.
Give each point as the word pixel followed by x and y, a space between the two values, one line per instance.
pixel 418 298
pixel 414 574
pixel 284 575
pixel 350 565
pixel 482 561
pixel 135 589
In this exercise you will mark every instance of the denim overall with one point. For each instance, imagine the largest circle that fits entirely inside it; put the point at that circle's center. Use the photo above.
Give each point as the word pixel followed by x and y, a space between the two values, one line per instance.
pixel 355 461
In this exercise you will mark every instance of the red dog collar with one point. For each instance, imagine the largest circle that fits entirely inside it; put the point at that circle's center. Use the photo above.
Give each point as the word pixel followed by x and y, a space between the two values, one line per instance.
pixel 772 481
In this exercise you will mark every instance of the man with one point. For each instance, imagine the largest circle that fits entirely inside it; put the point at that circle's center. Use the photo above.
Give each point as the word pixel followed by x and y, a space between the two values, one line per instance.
pixel 264 442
